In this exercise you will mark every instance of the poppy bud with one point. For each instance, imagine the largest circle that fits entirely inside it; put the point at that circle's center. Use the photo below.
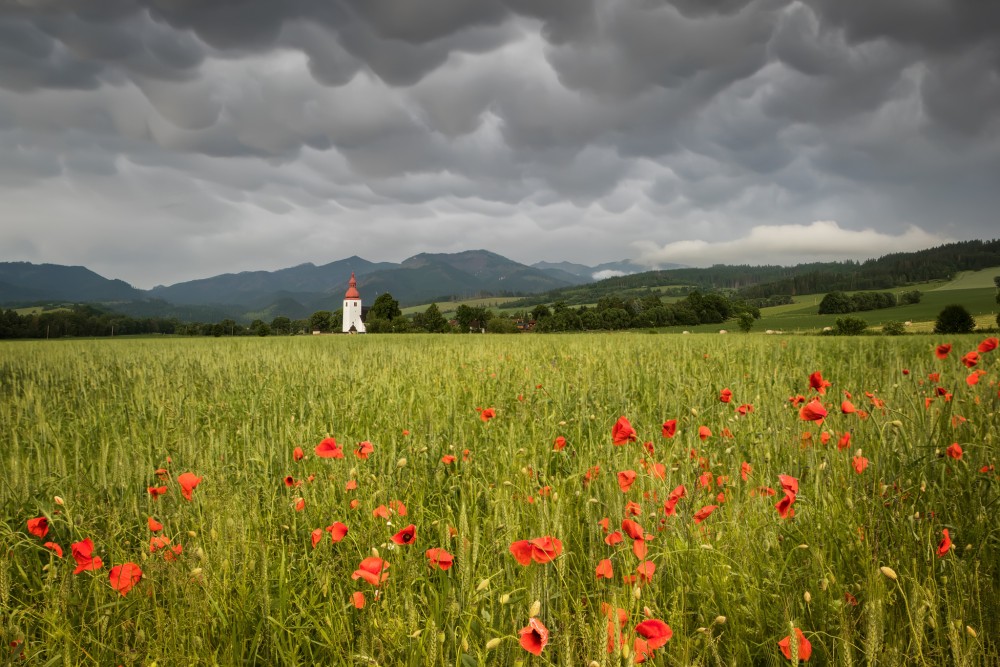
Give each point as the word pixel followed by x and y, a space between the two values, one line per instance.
pixel 465 644
pixel 375 552
pixel 823 584
pixel 807 596
pixel 416 633
pixel 637 593
pixel 702 630
pixel 191 533
pixel 196 572
pixel 694 412
pixel 536 608
pixel 889 572
pixel 505 598
pixel 625 651
pixel 441 638
pixel 647 612
pixel 493 643
pixel 971 631
pixel 57 500
pixel 483 585
pixel 720 620
pixel 594 663
pixel 803 546
pixel 401 463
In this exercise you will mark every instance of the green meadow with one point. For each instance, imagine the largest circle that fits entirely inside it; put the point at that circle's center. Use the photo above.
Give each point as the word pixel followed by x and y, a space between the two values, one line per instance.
pixel 861 566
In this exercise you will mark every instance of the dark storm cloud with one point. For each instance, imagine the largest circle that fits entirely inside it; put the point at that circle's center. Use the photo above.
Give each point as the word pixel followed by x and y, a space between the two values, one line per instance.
pixel 244 128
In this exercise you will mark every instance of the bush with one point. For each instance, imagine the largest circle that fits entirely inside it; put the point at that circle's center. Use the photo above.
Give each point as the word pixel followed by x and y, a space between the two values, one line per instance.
pixel 954 319
pixel 894 328
pixel 849 326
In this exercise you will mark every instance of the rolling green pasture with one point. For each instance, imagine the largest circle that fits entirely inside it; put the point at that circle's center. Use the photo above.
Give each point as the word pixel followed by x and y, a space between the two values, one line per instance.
pixel 87 424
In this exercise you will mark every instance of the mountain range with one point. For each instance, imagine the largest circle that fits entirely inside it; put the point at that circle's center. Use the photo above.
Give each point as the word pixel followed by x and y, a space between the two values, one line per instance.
pixel 299 291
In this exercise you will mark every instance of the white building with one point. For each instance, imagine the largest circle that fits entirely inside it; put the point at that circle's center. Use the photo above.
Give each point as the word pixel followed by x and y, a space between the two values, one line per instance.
pixel 352 308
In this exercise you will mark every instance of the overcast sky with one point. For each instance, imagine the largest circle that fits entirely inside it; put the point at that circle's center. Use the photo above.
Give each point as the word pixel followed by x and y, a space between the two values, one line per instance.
pixel 166 140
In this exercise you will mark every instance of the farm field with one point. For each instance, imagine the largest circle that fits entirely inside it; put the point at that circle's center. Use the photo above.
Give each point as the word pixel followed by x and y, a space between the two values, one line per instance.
pixel 529 514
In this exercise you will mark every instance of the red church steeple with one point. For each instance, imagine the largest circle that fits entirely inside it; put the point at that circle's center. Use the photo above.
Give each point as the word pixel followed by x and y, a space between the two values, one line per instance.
pixel 352 288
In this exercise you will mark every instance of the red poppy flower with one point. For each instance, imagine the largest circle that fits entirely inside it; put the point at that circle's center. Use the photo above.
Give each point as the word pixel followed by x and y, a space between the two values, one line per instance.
pixel 154 525
pixel 954 451
pixel 534 637
pixel 726 395
pixel 789 484
pixel 447 459
pixel 358 599
pixel 988 345
pixel 970 359
pixel 487 414
pixel 797 400
pixel 847 407
pixel 337 530
pixel 300 504
pixel 373 570
pixel 626 479
pixel 604 523
pixel 614 538
pixel 645 571
pixel 942 350
pixel 744 409
pixel 817 382
pixel 290 482
pixel 158 542
pixel 398 507
pixel 622 432
pixel 55 547
pixel 298 454
pixel 521 550
pixel 406 535
pixel 381 512
pixel 545 549
pixel 850 599
pixel 316 536
pixel 329 449
pixel 559 444
pixel 945 544
pixel 189 482
pixel 640 548
pixel 670 428
pixel 805 648
pixel 812 411
pixel 439 558
pixel 124 577
pixel 704 513
pixel 351 485
pixel 364 450
pixel 633 508
pixel 83 554
pixel 39 527
pixel 670 505
pixel 354 504
pixel 705 480
pixel 632 529
pixel 157 491
pixel 604 570
pixel 704 432
pixel 784 506
pixel 745 470
pixel 844 442
pixel 859 463
pixel 655 632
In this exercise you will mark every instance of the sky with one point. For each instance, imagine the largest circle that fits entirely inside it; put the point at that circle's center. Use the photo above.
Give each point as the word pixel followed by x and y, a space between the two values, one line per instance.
pixel 159 141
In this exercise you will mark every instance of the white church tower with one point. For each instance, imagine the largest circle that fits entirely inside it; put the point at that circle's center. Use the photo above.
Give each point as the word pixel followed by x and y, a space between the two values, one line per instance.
pixel 352 307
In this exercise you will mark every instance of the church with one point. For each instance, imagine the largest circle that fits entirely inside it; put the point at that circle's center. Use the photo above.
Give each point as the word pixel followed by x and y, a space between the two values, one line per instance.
pixel 353 313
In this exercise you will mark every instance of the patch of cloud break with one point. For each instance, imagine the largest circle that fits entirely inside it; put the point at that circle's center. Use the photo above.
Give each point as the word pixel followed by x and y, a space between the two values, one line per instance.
pixel 823 240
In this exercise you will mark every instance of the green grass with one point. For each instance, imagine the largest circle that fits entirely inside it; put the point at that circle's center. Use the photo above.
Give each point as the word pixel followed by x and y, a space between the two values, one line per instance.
pixel 91 422
pixel 494 303
pixel 973 280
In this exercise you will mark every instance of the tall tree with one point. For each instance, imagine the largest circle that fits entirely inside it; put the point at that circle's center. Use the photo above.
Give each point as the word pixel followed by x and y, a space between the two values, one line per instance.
pixel 385 308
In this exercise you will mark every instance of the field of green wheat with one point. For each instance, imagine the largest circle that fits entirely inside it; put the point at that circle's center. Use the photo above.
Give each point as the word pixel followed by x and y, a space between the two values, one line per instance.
pixel 489 500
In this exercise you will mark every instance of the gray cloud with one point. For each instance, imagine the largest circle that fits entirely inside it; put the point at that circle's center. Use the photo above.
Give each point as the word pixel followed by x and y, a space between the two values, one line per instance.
pixel 161 140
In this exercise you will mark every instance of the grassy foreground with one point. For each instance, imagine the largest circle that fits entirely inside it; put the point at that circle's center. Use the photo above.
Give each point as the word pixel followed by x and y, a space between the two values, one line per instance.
pixel 857 568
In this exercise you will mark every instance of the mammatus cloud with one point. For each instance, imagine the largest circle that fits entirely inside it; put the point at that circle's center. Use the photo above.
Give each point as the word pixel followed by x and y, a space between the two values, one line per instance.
pixel 821 241
pixel 165 140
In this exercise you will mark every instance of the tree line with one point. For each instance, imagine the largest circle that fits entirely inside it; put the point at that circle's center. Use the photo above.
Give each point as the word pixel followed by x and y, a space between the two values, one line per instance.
pixel 838 303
